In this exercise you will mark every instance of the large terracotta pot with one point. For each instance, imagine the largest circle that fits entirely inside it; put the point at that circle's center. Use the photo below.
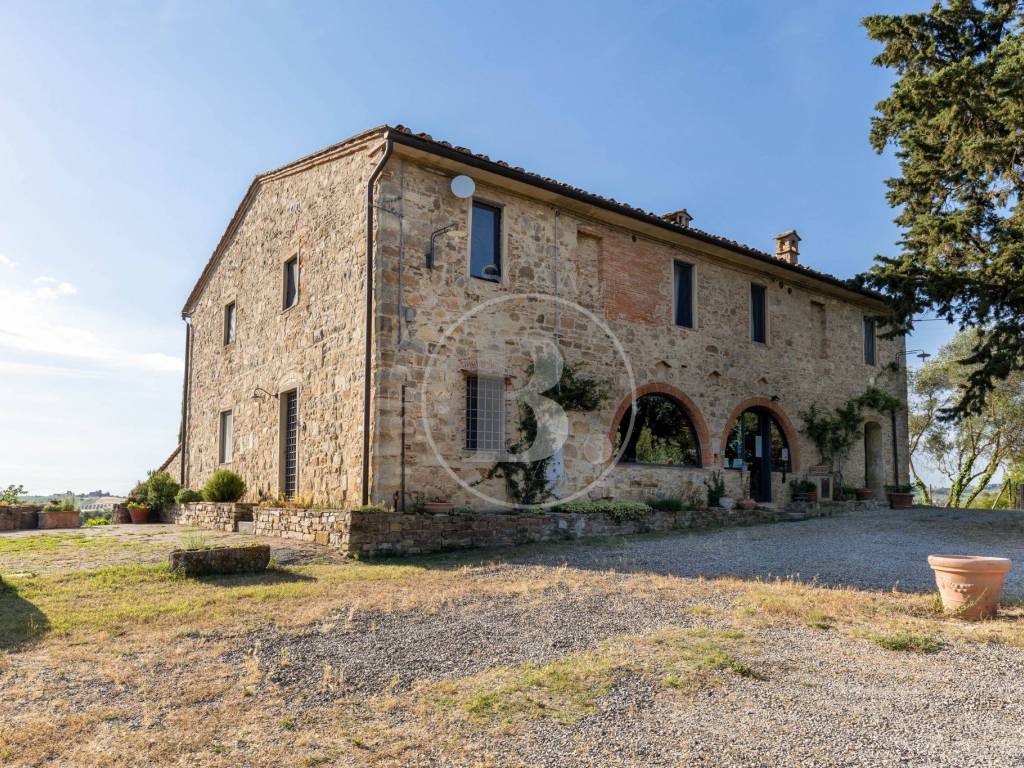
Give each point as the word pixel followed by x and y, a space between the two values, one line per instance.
pixel 747 504
pixel 970 586
pixel 437 507
pixel 139 514
pixel 863 494
pixel 900 500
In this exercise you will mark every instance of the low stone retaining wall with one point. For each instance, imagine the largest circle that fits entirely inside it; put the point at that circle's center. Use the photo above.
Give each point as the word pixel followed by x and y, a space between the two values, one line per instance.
pixel 19 517
pixel 214 516
pixel 59 519
pixel 375 534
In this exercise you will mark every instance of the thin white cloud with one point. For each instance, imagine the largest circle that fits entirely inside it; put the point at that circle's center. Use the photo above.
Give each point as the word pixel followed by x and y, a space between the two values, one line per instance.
pixel 7 262
pixel 49 288
pixel 35 369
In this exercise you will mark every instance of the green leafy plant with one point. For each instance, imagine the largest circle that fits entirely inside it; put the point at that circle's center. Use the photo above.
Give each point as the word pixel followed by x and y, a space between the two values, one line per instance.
pixel 620 510
pixel 138 505
pixel 187 496
pixel 715 485
pixel 370 508
pixel 802 488
pixel 902 488
pixel 223 485
pixel 10 494
pixel 668 504
pixel 67 505
pixel 155 492
pixel 92 522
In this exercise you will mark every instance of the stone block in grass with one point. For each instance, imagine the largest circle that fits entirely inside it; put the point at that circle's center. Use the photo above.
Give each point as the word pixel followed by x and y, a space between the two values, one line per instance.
pixel 221 560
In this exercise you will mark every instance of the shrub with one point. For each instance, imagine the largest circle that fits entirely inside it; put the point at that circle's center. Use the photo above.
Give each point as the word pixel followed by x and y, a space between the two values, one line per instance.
pixel 667 504
pixel 224 485
pixel 9 495
pixel 101 515
pixel 156 491
pixel 716 488
pixel 370 508
pixel 187 496
pixel 68 505
pixel 620 510
pixel 94 521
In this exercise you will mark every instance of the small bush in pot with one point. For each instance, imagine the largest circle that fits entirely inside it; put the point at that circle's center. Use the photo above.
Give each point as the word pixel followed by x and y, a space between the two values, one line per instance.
pixel 224 485
pixel 188 496
pixel 437 505
pixel 900 496
pixel 139 512
pixel 716 488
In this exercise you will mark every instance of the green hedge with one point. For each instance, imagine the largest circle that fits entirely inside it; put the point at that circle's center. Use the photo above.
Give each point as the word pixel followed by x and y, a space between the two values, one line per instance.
pixel 620 510
pixel 224 485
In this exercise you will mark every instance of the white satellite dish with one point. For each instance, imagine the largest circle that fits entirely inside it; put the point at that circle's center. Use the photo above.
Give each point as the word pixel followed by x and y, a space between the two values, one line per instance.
pixel 463 187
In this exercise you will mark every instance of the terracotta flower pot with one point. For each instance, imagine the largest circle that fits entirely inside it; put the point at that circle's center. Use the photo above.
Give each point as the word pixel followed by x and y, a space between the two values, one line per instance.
pixel 863 494
pixel 746 504
pixel 139 515
pixel 437 507
pixel 970 586
pixel 900 500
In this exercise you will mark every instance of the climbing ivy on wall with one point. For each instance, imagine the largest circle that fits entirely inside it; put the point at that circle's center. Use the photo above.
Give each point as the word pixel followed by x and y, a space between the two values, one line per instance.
pixel 834 433
pixel 527 482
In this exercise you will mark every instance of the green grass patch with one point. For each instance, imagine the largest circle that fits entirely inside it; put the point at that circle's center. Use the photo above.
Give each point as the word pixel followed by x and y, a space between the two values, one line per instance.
pixel 49 542
pixel 906 641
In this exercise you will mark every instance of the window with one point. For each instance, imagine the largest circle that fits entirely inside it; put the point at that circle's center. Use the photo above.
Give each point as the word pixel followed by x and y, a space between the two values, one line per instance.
pixel 746 445
pixel 662 433
pixel 682 282
pixel 291 282
pixel 227 428
pixel 485 248
pixel 289 443
pixel 485 414
pixel 758 324
pixel 869 340
pixel 229 323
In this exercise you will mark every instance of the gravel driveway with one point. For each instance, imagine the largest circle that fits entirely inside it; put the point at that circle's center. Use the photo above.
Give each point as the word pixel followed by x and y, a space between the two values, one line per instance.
pixel 879 549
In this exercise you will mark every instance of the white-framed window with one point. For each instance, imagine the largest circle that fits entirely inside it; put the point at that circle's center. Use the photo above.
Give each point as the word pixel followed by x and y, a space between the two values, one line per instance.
pixel 227 429
pixel 485 413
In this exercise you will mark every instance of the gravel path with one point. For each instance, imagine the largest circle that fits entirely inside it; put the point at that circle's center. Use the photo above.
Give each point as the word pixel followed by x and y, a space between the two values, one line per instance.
pixel 878 549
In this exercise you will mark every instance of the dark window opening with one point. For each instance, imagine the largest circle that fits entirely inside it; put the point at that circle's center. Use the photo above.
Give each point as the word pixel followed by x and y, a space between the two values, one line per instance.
pixel 291 282
pixel 485 248
pixel 227 429
pixel 758 323
pixel 290 443
pixel 662 434
pixel 869 340
pixel 683 289
pixel 229 323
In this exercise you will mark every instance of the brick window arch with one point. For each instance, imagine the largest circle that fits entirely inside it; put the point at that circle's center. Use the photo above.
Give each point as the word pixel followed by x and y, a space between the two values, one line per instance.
pixel 764 404
pixel 695 424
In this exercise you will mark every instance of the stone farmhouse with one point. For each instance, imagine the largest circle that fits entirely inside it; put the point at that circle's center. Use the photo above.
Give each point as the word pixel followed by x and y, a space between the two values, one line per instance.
pixel 367 325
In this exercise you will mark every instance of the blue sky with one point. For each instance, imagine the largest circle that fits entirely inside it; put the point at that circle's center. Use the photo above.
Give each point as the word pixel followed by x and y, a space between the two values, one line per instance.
pixel 130 131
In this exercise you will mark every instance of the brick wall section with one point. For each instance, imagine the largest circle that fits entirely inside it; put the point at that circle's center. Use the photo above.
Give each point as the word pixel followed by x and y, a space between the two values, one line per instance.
pixel 212 516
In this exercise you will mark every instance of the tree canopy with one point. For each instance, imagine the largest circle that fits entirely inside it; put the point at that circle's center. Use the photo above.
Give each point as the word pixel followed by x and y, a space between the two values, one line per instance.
pixel 955 118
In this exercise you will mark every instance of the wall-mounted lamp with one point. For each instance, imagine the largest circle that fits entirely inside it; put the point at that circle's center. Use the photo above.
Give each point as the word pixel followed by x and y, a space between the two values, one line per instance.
pixel 261 392
pixel 452 228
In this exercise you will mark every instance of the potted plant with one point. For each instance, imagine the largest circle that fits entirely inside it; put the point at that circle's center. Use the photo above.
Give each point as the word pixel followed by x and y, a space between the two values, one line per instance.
pixel 900 496
pixel 139 512
pixel 437 505
pixel 863 494
pixel 970 586
pixel 59 514
pixel 803 490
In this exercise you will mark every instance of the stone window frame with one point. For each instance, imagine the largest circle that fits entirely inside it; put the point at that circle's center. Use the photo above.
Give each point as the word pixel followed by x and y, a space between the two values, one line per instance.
pixel 464 411
pixel 225 448
pixel 694 306
pixel 750 314
pixel 502 239
pixel 233 307
pixel 295 255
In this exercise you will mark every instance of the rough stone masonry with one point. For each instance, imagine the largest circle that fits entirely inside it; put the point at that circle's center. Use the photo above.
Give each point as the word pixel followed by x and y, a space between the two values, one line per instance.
pixel 585 275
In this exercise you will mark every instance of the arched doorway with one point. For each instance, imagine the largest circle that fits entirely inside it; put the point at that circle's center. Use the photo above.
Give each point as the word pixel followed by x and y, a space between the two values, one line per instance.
pixel 757 443
pixel 874 464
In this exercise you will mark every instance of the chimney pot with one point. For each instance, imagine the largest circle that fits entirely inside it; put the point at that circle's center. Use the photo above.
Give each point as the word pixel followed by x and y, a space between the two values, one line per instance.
pixel 681 218
pixel 787 247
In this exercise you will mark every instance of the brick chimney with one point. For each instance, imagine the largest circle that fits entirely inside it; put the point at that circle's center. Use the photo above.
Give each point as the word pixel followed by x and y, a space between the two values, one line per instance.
pixel 681 218
pixel 787 247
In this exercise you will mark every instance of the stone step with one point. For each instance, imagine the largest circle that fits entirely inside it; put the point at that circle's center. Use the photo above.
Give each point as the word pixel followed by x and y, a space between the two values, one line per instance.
pixel 244 526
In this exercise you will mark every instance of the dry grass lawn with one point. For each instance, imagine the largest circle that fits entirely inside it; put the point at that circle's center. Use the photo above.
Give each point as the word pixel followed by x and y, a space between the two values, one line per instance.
pixel 131 665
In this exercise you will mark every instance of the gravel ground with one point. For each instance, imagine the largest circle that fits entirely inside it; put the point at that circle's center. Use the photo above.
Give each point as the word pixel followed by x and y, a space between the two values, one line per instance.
pixel 879 549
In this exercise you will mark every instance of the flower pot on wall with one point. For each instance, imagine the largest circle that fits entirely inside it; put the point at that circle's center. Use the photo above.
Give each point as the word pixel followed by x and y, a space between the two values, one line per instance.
pixel 899 500
pixel 437 507
pixel 139 515
pixel 970 586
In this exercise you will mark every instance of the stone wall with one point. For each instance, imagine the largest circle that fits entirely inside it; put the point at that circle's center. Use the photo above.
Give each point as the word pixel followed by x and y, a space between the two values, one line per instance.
pixel 322 526
pixel 214 516
pixel 317 212
pixel 19 517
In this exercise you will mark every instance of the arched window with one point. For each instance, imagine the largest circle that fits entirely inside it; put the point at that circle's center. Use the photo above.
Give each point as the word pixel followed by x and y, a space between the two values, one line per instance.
pixel 662 433
pixel 757 443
